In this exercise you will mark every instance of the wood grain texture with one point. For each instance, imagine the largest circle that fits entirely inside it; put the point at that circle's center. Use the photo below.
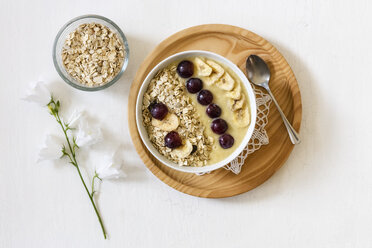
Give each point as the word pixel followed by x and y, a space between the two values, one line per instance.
pixel 235 44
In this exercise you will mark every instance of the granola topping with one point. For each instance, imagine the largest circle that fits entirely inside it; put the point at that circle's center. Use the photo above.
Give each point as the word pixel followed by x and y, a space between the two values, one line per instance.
pixel 166 87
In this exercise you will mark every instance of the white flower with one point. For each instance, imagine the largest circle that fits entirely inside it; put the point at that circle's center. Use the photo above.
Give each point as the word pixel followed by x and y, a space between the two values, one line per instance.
pixel 87 134
pixel 75 118
pixel 112 167
pixel 52 149
pixel 38 93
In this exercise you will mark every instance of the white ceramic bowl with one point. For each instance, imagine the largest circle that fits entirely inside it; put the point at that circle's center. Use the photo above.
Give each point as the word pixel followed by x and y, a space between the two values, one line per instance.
pixel 143 132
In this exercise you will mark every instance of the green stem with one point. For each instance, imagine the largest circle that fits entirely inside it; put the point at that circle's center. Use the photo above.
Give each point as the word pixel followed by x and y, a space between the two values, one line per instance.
pixel 92 201
pixel 92 190
pixel 74 162
pixel 94 177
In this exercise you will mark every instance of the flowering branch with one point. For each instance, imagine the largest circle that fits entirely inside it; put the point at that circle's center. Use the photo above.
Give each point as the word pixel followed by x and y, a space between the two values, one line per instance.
pixel 53 107
pixel 85 135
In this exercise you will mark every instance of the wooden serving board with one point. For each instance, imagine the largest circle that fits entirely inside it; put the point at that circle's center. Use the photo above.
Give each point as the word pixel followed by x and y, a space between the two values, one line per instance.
pixel 235 44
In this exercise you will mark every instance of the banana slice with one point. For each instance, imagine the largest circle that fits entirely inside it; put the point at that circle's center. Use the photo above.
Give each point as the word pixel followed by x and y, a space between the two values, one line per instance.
pixel 235 93
pixel 202 69
pixel 215 67
pixel 169 123
pixel 183 151
pixel 226 82
pixel 242 117
pixel 217 72
pixel 237 104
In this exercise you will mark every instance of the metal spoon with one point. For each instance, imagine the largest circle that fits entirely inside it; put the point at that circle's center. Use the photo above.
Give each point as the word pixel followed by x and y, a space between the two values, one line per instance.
pixel 258 73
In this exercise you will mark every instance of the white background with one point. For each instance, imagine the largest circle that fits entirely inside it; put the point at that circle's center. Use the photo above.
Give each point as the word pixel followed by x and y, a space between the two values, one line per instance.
pixel 322 196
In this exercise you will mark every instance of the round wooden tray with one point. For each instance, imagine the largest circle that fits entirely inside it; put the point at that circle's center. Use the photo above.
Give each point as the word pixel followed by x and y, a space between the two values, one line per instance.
pixel 235 44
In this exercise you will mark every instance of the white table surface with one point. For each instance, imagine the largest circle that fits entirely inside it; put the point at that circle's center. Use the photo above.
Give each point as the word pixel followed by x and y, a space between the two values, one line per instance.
pixel 322 196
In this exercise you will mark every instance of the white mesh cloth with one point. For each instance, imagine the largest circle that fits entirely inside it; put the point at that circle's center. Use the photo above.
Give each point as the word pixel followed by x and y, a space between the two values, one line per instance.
pixel 259 136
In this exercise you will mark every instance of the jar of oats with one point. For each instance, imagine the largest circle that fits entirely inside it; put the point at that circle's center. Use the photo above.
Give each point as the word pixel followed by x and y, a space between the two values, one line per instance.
pixel 90 53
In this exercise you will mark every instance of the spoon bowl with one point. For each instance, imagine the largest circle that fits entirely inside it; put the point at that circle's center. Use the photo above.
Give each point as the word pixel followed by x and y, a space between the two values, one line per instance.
pixel 258 72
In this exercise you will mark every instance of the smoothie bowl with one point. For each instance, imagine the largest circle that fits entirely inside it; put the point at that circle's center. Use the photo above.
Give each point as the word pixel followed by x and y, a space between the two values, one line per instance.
pixel 195 111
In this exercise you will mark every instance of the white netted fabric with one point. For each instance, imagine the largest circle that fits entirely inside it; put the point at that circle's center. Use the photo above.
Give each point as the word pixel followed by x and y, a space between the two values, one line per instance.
pixel 259 136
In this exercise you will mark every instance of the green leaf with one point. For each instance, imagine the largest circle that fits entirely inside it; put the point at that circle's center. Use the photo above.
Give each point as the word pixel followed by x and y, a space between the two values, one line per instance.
pixel 74 142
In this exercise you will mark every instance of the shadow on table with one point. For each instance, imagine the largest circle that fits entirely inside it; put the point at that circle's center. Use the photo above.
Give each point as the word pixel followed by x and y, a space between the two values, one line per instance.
pixel 133 171
pixel 299 172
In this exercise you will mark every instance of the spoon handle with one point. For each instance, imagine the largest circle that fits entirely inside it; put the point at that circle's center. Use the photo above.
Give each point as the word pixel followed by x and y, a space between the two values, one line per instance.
pixel 293 135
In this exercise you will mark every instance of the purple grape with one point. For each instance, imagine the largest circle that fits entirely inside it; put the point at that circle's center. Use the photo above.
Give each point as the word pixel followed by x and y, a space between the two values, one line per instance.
pixel 172 140
pixel 205 97
pixel 151 105
pixel 219 126
pixel 185 69
pixel 213 110
pixel 194 85
pixel 159 111
pixel 226 141
pixel 194 148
